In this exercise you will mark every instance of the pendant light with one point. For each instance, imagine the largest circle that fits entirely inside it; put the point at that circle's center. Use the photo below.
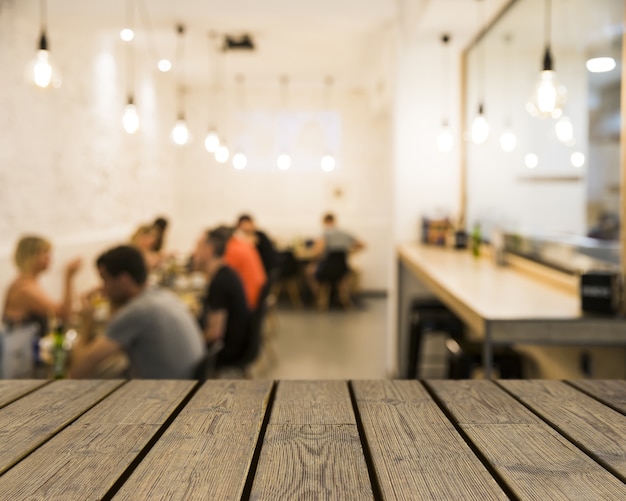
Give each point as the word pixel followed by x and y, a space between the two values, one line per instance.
pixel 164 65
pixel 565 130
pixel 549 96
pixel 508 140
pixel 130 119
pixel 180 132
pixel 212 139
pixel 128 32
pixel 445 141
pixel 328 162
pixel 41 71
pixel 283 161
pixel 480 126
pixel 239 158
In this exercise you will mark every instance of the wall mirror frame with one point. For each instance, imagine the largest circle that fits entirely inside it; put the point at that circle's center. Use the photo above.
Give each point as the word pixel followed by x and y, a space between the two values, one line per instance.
pixel 513 67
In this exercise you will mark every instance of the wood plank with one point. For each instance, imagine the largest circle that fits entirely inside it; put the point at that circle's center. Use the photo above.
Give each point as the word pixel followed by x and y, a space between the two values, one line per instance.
pixel 611 391
pixel 30 421
pixel 312 448
pixel 416 451
pixel 534 460
pixel 12 389
pixel 207 451
pixel 85 460
pixel 585 421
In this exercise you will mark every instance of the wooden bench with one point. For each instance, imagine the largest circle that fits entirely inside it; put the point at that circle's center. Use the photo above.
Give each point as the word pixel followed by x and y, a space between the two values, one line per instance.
pixel 296 440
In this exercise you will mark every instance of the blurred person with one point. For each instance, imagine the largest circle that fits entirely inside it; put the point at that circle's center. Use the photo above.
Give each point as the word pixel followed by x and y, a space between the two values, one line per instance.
pixel 241 255
pixel 144 239
pixel 151 325
pixel 26 301
pixel 224 316
pixel 333 240
pixel 263 244
pixel 160 226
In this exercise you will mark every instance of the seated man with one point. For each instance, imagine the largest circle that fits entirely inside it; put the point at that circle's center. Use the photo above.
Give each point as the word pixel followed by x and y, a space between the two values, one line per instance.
pixel 225 316
pixel 151 325
pixel 241 255
pixel 337 243
pixel 263 244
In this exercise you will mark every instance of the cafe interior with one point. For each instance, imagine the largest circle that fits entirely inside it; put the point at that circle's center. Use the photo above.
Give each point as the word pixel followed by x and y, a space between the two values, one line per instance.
pixel 473 146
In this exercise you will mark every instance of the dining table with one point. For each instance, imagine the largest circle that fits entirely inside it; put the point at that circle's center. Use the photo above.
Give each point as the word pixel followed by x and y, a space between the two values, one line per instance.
pixel 324 439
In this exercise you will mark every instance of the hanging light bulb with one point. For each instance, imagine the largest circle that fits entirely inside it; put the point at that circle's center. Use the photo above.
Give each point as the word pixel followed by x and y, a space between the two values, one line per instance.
pixel 164 65
pixel 212 141
pixel 531 160
pixel 41 71
pixel 130 120
pixel 328 163
pixel 222 154
pixel 480 127
pixel 180 132
pixel 240 161
pixel 600 64
pixel 508 140
pixel 549 96
pixel 283 161
pixel 565 130
pixel 445 141
pixel 578 159
pixel 127 34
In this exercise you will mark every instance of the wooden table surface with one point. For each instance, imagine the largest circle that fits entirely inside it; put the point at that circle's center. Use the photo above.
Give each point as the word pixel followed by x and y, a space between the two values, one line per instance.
pixel 291 440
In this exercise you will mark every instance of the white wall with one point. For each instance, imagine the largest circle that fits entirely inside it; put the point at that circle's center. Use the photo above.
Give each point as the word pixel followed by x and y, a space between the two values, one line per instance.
pixel 67 169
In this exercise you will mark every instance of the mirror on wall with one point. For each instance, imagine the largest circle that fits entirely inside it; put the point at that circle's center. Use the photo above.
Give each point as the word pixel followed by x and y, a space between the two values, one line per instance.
pixel 559 176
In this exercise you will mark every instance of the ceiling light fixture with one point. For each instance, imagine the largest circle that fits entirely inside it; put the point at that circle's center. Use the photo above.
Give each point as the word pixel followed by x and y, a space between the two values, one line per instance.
pixel 130 119
pixel 480 126
pixel 239 159
pixel 508 140
pixel 180 132
pixel 549 96
pixel 212 139
pixel 164 65
pixel 328 162
pixel 565 130
pixel 283 161
pixel 445 141
pixel 41 71
pixel 601 64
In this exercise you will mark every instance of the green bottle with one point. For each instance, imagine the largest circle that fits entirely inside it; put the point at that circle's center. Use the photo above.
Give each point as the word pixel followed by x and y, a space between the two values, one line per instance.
pixel 476 240
pixel 59 355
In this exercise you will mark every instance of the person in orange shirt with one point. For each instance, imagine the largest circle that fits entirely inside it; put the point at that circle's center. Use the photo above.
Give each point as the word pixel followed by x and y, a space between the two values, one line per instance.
pixel 242 256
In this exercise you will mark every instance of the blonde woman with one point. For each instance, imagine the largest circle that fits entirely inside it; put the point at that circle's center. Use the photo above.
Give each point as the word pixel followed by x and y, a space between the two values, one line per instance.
pixel 26 301
pixel 144 239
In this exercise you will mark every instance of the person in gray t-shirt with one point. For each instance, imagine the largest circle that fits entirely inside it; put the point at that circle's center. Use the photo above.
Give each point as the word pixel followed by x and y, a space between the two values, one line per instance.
pixel 152 326
pixel 332 250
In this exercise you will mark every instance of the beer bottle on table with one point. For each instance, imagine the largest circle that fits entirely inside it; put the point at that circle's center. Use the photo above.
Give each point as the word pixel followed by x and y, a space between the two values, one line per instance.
pixel 59 355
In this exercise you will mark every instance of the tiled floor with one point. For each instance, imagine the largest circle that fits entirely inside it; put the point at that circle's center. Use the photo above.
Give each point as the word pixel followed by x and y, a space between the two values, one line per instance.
pixel 306 344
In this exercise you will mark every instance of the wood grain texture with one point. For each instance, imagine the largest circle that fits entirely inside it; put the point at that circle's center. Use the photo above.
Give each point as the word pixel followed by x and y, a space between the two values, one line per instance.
pixel 312 448
pixel 585 421
pixel 12 389
pixel 33 419
pixel 610 391
pixel 416 451
pixel 85 460
pixel 207 451
pixel 535 461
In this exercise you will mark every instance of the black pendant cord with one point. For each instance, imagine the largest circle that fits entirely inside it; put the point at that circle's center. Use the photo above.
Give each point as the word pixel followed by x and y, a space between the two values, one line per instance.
pixel 445 74
pixel 147 22
pixel 130 55
pixel 180 54
pixel 481 59
pixel 547 33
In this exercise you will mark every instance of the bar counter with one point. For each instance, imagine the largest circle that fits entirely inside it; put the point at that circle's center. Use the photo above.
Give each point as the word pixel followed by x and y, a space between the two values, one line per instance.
pixel 501 304
pixel 133 440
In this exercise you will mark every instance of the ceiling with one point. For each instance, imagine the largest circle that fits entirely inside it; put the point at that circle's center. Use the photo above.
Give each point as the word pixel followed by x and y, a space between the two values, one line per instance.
pixel 305 39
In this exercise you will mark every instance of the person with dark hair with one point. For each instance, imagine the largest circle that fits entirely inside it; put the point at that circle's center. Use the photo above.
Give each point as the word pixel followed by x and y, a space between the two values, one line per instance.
pixel 160 226
pixel 151 325
pixel 263 244
pixel 332 250
pixel 225 316
pixel 241 255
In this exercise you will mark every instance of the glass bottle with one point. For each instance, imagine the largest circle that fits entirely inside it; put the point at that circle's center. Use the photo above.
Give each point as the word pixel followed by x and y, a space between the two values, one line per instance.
pixel 476 240
pixel 59 354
